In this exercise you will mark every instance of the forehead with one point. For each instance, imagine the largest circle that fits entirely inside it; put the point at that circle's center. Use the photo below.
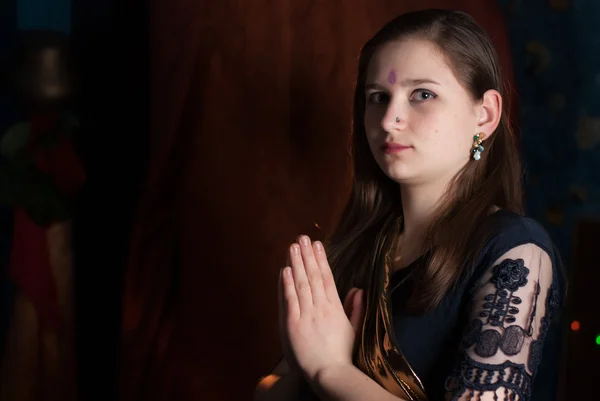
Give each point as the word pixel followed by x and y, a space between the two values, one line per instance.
pixel 412 59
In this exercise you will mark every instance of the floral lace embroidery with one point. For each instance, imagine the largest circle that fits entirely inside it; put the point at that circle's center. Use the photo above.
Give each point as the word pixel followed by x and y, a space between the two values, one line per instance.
pixel 499 310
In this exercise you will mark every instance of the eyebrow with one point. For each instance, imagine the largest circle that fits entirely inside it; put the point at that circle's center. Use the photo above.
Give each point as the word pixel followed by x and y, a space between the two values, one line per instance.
pixel 404 82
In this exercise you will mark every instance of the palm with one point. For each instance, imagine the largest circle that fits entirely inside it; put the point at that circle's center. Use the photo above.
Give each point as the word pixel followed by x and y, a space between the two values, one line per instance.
pixel 315 326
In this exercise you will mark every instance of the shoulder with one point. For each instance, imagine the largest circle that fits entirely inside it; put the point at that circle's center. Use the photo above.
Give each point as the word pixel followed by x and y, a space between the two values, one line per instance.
pixel 515 241
pixel 507 230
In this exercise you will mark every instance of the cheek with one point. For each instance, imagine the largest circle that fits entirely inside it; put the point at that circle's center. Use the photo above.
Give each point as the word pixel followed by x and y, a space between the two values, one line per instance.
pixel 448 130
pixel 431 125
pixel 373 117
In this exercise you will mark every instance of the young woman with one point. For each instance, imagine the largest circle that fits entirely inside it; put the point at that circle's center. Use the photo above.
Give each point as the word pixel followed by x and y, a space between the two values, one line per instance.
pixel 448 290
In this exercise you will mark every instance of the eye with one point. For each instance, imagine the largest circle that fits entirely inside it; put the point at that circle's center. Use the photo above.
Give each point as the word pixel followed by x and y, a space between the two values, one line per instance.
pixel 378 98
pixel 421 95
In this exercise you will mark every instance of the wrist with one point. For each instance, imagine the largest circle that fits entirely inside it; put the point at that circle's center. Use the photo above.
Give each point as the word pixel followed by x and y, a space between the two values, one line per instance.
pixel 326 377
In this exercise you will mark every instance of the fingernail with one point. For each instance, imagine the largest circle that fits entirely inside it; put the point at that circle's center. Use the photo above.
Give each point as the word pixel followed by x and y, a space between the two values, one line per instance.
pixel 304 240
pixel 295 249
pixel 318 246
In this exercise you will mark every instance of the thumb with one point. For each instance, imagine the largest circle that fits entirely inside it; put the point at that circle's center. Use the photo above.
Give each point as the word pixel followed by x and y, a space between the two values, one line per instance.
pixel 358 310
pixel 349 301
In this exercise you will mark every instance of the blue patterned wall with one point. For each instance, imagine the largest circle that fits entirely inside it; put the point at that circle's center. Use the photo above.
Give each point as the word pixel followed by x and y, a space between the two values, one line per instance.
pixel 556 57
pixel 44 14
pixel 556 51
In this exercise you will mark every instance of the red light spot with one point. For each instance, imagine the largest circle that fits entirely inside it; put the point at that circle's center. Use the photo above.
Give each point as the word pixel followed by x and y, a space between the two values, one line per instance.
pixel 575 326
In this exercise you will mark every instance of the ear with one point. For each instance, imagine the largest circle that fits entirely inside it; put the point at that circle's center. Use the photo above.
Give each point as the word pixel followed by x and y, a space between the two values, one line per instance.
pixel 490 111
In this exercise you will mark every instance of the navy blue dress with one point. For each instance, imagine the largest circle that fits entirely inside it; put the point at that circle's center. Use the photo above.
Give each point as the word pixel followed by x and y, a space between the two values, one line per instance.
pixel 487 334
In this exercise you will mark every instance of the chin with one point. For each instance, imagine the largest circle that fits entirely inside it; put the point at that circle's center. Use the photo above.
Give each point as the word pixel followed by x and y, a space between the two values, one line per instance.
pixel 399 173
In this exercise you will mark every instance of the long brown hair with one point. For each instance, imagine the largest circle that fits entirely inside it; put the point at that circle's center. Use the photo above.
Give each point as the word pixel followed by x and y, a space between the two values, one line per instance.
pixel 365 226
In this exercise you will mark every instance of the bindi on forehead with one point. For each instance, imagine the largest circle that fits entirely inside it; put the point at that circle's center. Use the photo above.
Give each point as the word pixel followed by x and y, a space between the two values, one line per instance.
pixel 392 77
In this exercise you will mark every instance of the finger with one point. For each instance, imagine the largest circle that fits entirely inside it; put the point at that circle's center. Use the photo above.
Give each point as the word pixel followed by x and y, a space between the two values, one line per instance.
pixel 290 303
pixel 358 310
pixel 327 276
pixel 313 271
pixel 348 302
pixel 300 280
pixel 285 316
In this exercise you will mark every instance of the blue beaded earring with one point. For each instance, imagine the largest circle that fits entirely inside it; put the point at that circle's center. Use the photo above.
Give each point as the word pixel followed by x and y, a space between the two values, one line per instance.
pixel 477 148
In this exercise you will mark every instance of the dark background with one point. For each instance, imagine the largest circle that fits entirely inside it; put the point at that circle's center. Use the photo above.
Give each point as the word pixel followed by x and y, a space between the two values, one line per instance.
pixel 214 133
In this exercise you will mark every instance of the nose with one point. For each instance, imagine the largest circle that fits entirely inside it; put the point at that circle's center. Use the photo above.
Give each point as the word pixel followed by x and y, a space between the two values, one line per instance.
pixel 394 119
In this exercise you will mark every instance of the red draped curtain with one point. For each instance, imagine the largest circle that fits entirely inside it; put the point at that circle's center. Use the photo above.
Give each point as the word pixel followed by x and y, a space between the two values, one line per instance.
pixel 251 108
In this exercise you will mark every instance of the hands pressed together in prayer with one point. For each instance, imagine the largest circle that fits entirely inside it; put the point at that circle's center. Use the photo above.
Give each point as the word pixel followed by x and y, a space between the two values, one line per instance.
pixel 318 331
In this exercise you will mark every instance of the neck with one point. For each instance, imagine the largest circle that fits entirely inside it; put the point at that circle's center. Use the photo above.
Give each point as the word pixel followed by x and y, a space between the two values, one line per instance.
pixel 419 204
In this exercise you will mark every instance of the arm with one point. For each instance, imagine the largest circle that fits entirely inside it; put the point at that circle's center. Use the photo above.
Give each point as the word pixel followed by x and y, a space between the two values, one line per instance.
pixel 348 383
pixel 510 314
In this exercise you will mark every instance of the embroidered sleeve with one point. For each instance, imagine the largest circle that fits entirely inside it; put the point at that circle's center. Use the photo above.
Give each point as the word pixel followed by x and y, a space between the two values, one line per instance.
pixel 510 314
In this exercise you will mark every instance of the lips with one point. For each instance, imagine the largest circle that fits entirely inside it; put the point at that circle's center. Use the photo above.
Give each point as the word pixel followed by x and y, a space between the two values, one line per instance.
pixel 391 147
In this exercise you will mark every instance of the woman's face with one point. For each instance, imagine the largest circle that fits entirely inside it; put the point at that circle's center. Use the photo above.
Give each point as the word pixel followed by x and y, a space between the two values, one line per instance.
pixel 419 119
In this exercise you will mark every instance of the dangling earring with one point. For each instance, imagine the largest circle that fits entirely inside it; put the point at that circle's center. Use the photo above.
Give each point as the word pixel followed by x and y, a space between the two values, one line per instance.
pixel 477 148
